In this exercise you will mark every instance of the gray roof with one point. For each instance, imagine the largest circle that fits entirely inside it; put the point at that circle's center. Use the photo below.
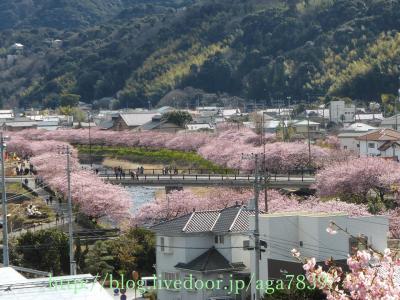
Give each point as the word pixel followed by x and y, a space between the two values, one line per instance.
pixel 137 118
pixel 350 134
pixel 230 219
pixel 210 261
pixel 226 219
pixel 105 124
pixel 201 221
pixel 153 124
pixel 165 109
pixel 21 123
pixel 391 120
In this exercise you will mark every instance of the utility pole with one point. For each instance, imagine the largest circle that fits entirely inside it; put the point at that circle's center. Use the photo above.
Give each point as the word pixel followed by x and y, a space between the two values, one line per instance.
pixel 72 262
pixel 90 142
pixel 309 141
pixel 256 228
pixel 256 233
pixel 6 258
pixel 395 107
pixel 70 229
pixel 264 165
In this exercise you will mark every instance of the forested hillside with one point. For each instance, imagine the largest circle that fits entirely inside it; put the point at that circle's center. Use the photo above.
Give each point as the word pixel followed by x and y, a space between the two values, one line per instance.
pixel 67 14
pixel 254 49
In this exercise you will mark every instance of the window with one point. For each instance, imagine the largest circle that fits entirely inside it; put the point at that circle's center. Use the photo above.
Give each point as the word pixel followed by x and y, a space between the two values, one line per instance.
pixel 170 276
pixel 357 243
pixel 162 244
pixel 192 279
pixel 371 145
pixel 219 239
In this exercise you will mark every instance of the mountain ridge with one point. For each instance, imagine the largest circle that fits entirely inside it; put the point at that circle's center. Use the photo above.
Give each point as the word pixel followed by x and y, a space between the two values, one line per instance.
pixel 258 50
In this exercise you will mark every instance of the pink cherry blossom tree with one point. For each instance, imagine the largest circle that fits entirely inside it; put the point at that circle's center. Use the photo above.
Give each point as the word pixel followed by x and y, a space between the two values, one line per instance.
pixel 371 275
pixel 224 147
pixel 354 178
pixel 182 202
pixel 90 193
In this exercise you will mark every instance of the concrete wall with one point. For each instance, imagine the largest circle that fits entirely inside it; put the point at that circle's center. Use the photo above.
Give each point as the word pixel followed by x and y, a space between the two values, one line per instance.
pixel 337 109
pixel 307 233
pixel 185 250
pixel 366 150
pixel 349 143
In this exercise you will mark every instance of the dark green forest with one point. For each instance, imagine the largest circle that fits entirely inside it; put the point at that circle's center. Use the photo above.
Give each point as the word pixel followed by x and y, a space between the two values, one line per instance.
pixel 138 51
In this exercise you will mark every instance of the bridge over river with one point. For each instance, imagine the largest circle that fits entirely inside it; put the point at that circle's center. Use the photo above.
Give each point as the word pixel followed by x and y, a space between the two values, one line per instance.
pixel 298 179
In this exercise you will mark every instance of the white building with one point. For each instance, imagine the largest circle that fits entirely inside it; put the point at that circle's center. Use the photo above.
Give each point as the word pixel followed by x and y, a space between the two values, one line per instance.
pixel 374 119
pixel 207 245
pixel 17 46
pixel 306 126
pixel 340 112
pixel 279 112
pixel 77 287
pixel 218 246
pixel 229 113
pixel 208 111
pixel 199 126
pixel 382 142
pixel 391 122
pixel 320 112
pixel 348 136
pixel 7 114
pixel 306 232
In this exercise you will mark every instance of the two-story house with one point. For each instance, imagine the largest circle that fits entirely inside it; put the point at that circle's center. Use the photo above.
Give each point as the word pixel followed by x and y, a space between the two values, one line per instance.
pixel 348 136
pixel 382 142
pixel 204 246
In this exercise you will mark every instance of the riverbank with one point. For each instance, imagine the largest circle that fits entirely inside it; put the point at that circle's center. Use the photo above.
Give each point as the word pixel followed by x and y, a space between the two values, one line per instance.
pixel 142 155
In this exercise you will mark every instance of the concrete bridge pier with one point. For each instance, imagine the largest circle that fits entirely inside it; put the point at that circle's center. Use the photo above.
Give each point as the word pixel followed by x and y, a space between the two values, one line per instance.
pixel 170 188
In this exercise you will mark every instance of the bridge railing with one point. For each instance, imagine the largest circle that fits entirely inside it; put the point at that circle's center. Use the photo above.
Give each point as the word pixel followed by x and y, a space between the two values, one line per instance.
pixel 187 171
pixel 294 175
pixel 230 172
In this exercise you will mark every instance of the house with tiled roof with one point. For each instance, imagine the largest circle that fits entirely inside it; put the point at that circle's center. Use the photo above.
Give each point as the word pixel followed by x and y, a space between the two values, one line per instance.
pixel 132 120
pixel 203 246
pixel 382 142
pixel 348 136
